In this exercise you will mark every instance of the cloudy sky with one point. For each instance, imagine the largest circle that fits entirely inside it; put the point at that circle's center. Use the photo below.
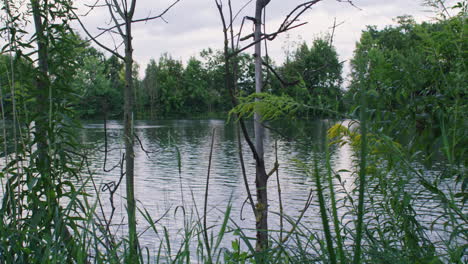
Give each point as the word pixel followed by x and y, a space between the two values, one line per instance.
pixel 193 25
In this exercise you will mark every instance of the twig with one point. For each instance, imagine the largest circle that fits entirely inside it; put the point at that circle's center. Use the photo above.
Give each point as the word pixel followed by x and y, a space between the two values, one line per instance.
pixel 244 174
pixel 106 149
pixel 205 231
pixel 279 191
pixel 94 39
pixel 298 220
pixel 147 152
pixel 283 82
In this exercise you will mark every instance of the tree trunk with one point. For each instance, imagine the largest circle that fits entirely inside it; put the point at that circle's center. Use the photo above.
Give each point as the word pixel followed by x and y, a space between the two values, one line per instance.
pixel 41 84
pixel 43 161
pixel 129 142
pixel 261 176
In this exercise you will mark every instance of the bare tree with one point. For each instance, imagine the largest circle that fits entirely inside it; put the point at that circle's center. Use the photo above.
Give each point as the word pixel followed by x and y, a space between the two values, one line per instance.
pixel 290 22
pixel 122 15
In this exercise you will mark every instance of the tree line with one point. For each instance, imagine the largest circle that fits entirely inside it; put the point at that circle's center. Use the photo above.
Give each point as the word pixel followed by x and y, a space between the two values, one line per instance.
pixel 170 88
pixel 409 76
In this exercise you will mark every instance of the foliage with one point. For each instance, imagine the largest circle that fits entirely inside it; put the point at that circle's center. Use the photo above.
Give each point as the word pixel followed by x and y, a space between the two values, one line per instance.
pixel 416 76
pixel 35 225
pixel 319 72
pixel 270 106
pixel 93 87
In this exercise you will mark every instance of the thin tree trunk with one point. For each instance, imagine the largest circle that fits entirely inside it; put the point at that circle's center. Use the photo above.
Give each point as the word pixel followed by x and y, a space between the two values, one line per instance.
pixel 261 176
pixel 129 142
pixel 41 125
pixel 41 82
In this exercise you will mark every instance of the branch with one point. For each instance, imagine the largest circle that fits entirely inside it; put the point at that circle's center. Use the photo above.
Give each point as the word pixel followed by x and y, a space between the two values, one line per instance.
pixel 95 39
pixel 147 152
pixel 132 9
pixel 283 82
pixel 158 16
pixel 227 63
pixel 118 25
pixel 117 7
pixel 240 10
pixel 91 7
pixel 286 25
pixel 265 36
pixel 115 20
pixel 244 174
pixel 333 30
pixel 288 22
pixel 351 3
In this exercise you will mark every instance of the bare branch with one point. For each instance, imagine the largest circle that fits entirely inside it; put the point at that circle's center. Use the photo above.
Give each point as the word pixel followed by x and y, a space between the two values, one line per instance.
pixel 119 28
pixel 292 17
pixel 158 16
pixel 92 7
pixel 244 174
pixel 283 82
pixel 116 24
pixel 229 79
pixel 117 8
pixel 240 10
pixel 265 36
pixel 351 3
pixel 286 25
pixel 147 152
pixel 95 39
pixel 132 9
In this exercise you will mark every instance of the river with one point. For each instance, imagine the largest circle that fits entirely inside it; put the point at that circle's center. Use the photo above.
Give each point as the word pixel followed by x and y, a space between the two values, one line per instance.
pixel 171 165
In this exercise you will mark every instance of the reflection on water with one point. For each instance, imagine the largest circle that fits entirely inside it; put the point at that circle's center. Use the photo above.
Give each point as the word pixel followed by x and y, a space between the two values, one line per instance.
pixel 160 186
pixel 171 174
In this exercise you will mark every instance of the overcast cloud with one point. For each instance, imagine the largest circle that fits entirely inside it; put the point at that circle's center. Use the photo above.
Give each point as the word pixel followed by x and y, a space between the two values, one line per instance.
pixel 194 25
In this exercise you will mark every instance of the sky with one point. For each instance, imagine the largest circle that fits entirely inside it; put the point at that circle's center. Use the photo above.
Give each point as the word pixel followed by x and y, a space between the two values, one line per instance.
pixel 193 25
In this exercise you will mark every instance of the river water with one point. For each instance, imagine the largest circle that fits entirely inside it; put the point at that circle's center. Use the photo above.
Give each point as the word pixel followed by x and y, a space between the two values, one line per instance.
pixel 171 165
pixel 169 145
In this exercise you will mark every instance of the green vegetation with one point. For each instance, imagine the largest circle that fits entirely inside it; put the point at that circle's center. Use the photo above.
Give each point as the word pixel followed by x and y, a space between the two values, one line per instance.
pixel 405 108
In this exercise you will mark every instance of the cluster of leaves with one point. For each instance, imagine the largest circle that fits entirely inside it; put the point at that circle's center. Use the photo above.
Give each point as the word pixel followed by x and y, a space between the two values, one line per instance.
pixel 318 74
pixel 41 206
pixel 170 89
pixel 269 106
pixel 415 77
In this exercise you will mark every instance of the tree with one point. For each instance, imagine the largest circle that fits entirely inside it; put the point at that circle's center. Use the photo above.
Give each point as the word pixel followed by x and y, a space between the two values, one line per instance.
pixel 320 71
pixel 414 74
pixel 94 85
pixel 150 87
pixel 43 135
pixel 195 86
pixel 261 178
pixel 231 52
pixel 122 14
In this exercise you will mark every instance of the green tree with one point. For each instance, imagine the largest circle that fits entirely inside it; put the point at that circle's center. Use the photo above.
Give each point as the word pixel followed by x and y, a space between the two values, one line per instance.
pixel 416 75
pixel 319 73
pixel 195 87
pixel 213 64
pixel 42 100
pixel 170 73
pixel 113 71
pixel 90 82
pixel 150 88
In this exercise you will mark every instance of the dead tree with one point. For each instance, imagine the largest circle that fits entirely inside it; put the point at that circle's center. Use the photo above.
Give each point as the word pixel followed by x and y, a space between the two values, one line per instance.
pixel 122 15
pixel 290 22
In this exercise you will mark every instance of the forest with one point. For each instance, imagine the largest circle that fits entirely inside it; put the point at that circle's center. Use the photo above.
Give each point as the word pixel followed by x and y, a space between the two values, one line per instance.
pixel 82 128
